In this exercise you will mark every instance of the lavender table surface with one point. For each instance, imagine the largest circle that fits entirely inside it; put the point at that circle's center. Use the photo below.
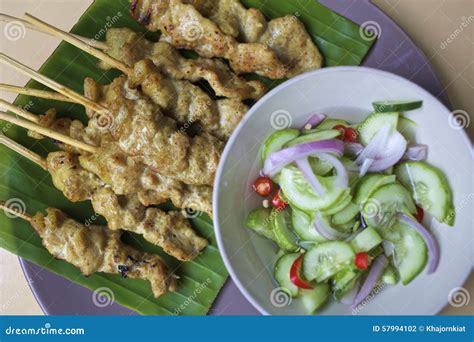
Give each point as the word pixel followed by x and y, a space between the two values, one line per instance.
pixel 394 51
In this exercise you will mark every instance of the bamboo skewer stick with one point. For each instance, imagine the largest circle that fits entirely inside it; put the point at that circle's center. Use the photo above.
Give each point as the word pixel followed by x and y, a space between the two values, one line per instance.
pixel 19 111
pixel 22 150
pixel 48 132
pixel 44 94
pixel 15 212
pixel 52 84
pixel 89 41
pixel 78 43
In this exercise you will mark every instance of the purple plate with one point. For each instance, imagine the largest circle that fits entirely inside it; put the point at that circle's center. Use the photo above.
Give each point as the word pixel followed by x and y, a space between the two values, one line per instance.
pixel 394 51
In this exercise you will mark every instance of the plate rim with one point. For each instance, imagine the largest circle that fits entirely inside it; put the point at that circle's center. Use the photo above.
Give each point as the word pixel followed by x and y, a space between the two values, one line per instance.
pixel 255 107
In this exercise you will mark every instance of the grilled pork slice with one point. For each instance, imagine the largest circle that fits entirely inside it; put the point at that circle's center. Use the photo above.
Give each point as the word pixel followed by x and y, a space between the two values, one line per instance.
pixel 279 48
pixel 186 102
pixel 130 47
pixel 169 230
pixel 141 130
pixel 286 35
pixel 98 249
pixel 184 27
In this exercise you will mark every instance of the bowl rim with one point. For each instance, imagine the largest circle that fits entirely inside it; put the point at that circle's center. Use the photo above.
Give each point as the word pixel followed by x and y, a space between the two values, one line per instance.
pixel 247 116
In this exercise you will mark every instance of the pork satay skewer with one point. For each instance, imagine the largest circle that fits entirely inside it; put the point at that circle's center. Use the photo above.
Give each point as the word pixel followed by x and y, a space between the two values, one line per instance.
pixel 276 49
pixel 96 249
pixel 181 100
pixel 19 111
pixel 47 132
pixel 164 147
pixel 125 174
pixel 129 47
pixel 89 41
pixel 52 84
pixel 44 94
pixel 171 231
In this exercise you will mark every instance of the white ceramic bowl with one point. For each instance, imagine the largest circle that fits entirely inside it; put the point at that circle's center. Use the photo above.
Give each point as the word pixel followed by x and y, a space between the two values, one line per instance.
pixel 347 93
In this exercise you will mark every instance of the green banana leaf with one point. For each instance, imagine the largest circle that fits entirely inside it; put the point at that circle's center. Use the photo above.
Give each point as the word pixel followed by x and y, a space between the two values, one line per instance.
pixel 28 186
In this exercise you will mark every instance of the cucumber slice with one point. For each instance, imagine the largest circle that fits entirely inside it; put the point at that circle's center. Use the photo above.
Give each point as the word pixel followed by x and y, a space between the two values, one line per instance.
pixel 314 136
pixel 346 215
pixel 366 240
pixel 407 128
pixel 396 106
pixel 430 189
pixel 284 236
pixel 373 123
pixel 330 123
pixel 340 204
pixel 390 276
pixel 344 281
pixel 260 222
pixel 282 273
pixel 277 140
pixel 368 184
pixel 300 194
pixel 346 227
pixel 380 209
pixel 411 253
pixel 315 298
pixel 326 259
pixel 303 226
pixel 375 252
pixel 320 167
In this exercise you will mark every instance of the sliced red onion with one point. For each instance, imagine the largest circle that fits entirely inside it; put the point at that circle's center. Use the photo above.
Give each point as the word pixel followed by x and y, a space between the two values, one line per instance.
pixel 342 178
pixel 433 248
pixel 348 298
pixel 416 152
pixel 376 145
pixel 277 160
pixel 314 120
pixel 391 154
pixel 375 272
pixel 352 149
pixel 326 231
pixel 305 168
pixel 367 163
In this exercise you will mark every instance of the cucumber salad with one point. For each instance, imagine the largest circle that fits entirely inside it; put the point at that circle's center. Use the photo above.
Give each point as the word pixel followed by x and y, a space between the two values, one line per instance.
pixel 345 204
